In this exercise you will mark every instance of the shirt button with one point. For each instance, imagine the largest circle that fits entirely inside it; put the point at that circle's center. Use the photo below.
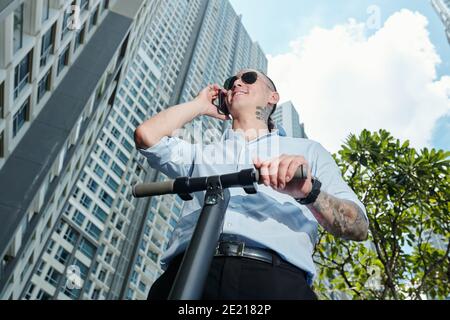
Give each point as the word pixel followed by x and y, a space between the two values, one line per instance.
pixel 229 225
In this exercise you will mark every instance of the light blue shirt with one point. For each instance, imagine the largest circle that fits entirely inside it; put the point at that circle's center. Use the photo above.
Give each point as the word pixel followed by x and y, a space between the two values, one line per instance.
pixel 267 219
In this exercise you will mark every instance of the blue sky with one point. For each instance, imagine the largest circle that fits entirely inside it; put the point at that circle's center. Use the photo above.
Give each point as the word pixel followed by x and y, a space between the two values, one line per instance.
pixel 275 23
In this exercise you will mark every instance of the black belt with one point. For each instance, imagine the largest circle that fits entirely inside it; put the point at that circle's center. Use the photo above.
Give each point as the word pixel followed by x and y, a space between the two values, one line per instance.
pixel 239 249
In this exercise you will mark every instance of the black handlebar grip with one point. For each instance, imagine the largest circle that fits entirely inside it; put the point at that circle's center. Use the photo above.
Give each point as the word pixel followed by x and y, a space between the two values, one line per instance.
pixel 153 189
pixel 142 190
pixel 301 173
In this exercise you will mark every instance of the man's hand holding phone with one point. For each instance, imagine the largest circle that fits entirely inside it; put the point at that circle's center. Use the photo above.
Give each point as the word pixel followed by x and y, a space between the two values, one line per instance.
pixel 206 98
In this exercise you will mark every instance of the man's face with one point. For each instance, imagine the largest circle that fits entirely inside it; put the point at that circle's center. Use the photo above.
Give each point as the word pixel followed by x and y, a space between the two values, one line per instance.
pixel 244 98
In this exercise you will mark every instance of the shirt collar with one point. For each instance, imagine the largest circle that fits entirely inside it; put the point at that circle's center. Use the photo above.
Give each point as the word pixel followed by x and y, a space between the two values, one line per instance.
pixel 229 133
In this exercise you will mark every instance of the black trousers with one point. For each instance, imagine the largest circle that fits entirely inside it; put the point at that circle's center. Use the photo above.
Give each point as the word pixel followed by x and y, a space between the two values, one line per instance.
pixel 236 278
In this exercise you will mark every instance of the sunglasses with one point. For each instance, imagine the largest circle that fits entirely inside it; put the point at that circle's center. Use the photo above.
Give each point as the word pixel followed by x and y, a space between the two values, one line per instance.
pixel 249 77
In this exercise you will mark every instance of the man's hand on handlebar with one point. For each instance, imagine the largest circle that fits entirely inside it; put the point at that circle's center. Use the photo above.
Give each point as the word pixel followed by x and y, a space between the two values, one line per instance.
pixel 278 173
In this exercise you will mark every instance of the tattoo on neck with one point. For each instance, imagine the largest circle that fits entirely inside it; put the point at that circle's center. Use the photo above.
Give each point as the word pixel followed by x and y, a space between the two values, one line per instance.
pixel 263 113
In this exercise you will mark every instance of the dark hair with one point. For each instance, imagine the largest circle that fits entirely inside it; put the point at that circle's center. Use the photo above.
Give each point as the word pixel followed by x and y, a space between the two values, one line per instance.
pixel 270 122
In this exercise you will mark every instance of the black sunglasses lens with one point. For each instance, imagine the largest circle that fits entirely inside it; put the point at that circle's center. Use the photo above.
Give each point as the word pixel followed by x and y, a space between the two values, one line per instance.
pixel 228 85
pixel 249 77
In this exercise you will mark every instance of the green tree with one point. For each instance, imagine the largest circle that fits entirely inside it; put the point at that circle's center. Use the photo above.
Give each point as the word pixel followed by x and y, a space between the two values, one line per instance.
pixel 406 194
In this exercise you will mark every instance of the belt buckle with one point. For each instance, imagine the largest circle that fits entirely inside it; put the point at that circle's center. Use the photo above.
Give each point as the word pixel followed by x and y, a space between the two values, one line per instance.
pixel 240 249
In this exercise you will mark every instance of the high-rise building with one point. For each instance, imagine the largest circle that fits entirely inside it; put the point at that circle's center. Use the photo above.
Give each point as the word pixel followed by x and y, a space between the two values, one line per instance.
pixel 189 46
pixel 442 8
pixel 61 63
pixel 75 231
pixel 287 117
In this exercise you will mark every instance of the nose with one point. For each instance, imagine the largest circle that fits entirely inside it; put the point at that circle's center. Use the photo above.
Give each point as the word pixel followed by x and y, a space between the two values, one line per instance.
pixel 237 82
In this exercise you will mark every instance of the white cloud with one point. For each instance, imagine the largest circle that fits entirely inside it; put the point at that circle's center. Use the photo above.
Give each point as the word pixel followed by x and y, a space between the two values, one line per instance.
pixel 342 81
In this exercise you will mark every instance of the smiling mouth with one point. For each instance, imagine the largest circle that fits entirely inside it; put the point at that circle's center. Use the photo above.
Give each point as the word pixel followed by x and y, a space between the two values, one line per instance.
pixel 239 94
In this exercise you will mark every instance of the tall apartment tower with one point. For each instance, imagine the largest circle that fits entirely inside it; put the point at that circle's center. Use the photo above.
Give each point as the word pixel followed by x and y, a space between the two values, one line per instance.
pixel 286 116
pixel 442 7
pixel 189 45
pixel 75 231
pixel 61 63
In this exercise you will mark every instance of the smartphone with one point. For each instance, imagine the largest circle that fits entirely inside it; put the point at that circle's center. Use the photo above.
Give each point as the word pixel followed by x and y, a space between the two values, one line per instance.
pixel 222 104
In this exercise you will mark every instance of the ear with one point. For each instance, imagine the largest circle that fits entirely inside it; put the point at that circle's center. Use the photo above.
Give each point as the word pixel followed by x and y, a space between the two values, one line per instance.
pixel 274 98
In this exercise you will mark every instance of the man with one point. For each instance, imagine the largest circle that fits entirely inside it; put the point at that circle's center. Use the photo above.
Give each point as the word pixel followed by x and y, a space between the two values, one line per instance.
pixel 265 250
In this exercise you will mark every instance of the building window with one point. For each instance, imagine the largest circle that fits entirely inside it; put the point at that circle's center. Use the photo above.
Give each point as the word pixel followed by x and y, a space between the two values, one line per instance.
pixel 2 98
pixel 99 171
pixel 173 222
pixel 112 184
pixel 47 45
pixel 50 246
pixel 119 225
pixel 92 185
pixel 63 59
pixel 93 230
pixel 78 217
pixel 22 75
pixel 142 286
pixel 110 144
pixel 60 225
pixel 83 268
pixel 86 201
pixel 52 277
pixel 21 116
pixel 42 295
pixel 72 293
pixel 66 23
pixel 105 157
pixel 106 198
pixel 79 38
pixel 122 157
pixel 40 268
pixel 95 294
pixel 18 28
pixel 108 257
pixel 153 256
pixel 44 85
pixel 115 133
pixel 102 275
pixel 30 290
pixel 117 170
pixel 134 277
pixel 127 145
pixel 84 4
pixel 45 10
pixel 87 248
pixel 100 213
pixel 93 20
pixel 71 236
pixel 105 4
pixel 2 154
pixel 62 255
pixel 114 241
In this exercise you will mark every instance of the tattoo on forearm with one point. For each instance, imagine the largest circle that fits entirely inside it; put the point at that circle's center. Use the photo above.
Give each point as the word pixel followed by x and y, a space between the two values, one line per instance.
pixel 342 218
pixel 263 113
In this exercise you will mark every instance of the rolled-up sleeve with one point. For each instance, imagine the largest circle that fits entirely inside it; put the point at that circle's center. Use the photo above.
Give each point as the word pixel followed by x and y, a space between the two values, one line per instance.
pixel 329 174
pixel 172 156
